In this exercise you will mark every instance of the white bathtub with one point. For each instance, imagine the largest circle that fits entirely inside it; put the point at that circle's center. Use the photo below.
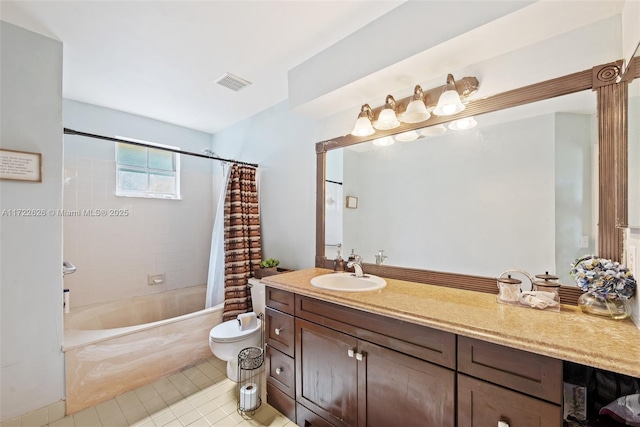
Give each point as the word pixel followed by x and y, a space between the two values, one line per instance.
pixel 118 346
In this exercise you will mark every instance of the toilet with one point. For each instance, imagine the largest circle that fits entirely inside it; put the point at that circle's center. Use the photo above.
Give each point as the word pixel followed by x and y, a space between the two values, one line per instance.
pixel 227 340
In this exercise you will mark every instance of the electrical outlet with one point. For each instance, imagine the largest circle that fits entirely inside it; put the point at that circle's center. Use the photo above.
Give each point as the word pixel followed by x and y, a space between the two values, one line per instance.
pixel 584 241
pixel 631 258
pixel 155 279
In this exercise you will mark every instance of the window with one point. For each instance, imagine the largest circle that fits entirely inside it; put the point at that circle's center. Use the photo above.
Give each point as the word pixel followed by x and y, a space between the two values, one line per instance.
pixel 147 172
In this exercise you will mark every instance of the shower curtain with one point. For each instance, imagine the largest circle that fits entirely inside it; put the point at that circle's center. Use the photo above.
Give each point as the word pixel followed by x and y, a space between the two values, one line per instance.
pixel 242 239
pixel 215 281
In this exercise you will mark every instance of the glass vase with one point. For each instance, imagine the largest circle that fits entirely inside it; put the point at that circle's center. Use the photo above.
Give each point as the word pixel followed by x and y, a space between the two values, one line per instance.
pixel 613 308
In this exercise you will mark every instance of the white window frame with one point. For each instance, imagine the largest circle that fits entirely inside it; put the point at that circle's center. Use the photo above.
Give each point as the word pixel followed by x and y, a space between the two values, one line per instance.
pixel 148 194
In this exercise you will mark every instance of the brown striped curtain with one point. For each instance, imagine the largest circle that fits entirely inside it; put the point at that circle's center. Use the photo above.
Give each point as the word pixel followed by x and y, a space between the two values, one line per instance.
pixel 242 243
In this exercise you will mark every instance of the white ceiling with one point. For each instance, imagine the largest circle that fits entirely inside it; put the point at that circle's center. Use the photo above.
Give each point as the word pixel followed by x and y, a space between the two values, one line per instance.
pixel 160 59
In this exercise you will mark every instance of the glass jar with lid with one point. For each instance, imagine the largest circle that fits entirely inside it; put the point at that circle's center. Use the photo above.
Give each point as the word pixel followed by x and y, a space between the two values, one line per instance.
pixel 549 289
pixel 508 290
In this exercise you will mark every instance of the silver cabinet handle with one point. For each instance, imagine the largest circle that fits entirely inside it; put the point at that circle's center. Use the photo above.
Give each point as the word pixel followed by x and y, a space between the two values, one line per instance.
pixel 502 424
pixel 359 358
pixel 278 371
pixel 350 353
pixel 277 330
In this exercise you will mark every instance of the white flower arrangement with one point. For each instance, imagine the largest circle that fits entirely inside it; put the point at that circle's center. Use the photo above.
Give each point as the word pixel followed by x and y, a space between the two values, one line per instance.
pixel 604 279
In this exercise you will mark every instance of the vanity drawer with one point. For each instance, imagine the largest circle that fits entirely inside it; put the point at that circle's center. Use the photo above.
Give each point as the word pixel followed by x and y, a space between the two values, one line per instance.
pixel 280 331
pixel 281 371
pixel 484 404
pixel 307 418
pixel 421 342
pixel 283 403
pixel 280 300
pixel 529 373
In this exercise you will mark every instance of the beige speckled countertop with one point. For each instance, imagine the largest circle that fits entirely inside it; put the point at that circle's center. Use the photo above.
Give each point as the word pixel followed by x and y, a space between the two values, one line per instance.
pixel 569 335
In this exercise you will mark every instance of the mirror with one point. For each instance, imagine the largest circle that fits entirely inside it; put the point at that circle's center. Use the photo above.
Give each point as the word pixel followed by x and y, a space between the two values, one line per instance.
pixel 462 201
pixel 634 149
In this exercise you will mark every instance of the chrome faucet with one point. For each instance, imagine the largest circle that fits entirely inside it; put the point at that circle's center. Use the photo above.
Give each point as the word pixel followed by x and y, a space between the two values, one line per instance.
pixel 380 257
pixel 356 263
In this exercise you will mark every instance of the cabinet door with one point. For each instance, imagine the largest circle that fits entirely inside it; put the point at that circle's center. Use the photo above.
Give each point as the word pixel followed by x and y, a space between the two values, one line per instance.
pixel 326 373
pixel 481 404
pixel 404 391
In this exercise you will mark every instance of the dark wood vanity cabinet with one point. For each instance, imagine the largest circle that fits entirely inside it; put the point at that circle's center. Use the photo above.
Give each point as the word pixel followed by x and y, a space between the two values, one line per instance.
pixel 354 368
pixel 280 364
pixel 352 382
pixel 501 384
pixel 358 369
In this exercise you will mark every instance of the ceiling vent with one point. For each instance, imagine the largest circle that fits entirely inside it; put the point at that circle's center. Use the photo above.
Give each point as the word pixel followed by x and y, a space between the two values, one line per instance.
pixel 232 82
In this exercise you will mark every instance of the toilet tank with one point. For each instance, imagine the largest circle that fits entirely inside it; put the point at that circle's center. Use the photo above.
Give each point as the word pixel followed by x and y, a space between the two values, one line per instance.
pixel 257 295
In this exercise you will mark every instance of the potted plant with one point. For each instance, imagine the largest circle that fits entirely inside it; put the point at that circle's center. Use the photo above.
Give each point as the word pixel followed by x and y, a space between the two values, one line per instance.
pixel 269 264
pixel 267 268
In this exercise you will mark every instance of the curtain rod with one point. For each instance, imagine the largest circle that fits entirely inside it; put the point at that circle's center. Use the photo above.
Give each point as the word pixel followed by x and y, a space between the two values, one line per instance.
pixel 68 131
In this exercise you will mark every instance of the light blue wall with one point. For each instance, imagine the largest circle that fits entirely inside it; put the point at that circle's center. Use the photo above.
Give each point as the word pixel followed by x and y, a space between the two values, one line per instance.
pixel 32 370
pixel 282 142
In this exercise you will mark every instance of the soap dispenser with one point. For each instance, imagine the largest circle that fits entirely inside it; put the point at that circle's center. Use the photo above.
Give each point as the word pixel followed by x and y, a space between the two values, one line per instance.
pixel 338 263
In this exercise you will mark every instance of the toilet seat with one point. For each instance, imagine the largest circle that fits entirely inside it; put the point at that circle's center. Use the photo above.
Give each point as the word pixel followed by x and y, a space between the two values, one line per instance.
pixel 229 331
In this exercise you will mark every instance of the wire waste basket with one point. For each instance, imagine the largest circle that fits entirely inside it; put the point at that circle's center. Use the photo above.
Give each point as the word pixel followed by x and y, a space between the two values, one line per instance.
pixel 250 362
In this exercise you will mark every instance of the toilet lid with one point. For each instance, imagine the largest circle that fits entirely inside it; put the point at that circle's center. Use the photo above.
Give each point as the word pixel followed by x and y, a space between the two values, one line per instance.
pixel 230 331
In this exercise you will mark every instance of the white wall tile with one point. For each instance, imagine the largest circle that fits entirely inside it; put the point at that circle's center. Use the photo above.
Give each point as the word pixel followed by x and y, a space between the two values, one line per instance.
pixel 158 236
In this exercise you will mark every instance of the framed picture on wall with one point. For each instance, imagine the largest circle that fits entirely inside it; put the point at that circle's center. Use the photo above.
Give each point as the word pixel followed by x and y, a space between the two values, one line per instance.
pixel 20 166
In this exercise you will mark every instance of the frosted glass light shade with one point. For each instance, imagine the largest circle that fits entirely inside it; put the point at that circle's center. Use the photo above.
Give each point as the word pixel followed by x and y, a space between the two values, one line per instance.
pixel 387 120
pixel 463 124
pixel 363 127
pixel 448 104
pixel 407 136
pixel 416 112
pixel 433 131
pixel 384 141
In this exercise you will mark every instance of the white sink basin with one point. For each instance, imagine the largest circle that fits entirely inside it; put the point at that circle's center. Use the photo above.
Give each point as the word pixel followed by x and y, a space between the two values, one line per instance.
pixel 347 282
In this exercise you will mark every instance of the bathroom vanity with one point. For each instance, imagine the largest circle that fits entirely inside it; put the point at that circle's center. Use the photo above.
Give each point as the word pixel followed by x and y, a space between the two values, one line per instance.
pixel 409 352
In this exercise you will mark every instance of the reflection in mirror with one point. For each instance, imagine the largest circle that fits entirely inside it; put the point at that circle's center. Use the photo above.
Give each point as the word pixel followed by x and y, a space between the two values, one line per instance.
pixel 516 190
pixel 634 154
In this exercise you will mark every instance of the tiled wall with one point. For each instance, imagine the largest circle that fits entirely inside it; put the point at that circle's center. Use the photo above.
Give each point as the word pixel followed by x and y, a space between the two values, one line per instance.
pixel 115 254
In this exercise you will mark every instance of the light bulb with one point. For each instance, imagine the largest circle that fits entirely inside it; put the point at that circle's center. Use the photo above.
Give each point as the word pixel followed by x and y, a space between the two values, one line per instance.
pixel 463 124
pixel 384 141
pixel 407 136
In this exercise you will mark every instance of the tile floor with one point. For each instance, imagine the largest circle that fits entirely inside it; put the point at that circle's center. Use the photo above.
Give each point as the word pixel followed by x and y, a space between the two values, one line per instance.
pixel 198 396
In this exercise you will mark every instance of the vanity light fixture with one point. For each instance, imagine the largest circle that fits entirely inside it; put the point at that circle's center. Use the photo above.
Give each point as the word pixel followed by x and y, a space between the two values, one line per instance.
pixel 449 102
pixel 463 124
pixel 384 141
pixel 363 124
pixel 387 118
pixel 416 111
